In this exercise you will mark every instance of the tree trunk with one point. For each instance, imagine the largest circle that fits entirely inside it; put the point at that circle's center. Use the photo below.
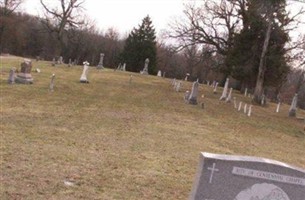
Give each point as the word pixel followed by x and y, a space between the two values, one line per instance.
pixel 258 92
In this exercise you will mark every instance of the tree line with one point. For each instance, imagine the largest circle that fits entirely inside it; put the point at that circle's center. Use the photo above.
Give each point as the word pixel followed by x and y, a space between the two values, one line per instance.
pixel 242 39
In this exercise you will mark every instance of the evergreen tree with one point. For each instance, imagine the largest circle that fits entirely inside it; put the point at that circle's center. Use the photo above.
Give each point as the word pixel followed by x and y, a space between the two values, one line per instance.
pixel 141 44
pixel 245 57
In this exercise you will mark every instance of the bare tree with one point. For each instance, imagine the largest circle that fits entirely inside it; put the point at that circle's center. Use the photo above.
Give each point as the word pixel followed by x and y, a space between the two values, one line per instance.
pixel 62 17
pixel 7 7
pixel 212 24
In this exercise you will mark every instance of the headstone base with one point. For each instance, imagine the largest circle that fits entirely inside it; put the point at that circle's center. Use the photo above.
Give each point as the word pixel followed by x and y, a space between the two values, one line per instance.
pixel 84 81
pixel 193 101
pixel 24 78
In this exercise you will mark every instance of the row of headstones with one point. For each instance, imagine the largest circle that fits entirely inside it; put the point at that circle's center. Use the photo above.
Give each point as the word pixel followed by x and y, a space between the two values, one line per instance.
pixel 227 98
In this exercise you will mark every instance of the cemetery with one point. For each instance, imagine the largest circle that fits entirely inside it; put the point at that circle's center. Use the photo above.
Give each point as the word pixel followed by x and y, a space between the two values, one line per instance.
pixel 129 136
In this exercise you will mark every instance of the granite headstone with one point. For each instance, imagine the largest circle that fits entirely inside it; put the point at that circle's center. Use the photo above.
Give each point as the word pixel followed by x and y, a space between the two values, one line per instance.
pixel 226 177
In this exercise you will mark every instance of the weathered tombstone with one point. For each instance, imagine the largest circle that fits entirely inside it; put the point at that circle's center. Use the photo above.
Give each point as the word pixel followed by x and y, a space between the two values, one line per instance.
pixel 246 92
pixel 229 97
pixel 164 74
pixel 229 177
pixel 186 76
pixel 239 106
pixel 119 67
pixel 250 111
pixel 130 79
pixel 145 69
pixel 70 63
pixel 83 78
pixel 37 58
pixel 37 70
pixel 293 107
pixel 53 62
pixel 101 62
pixel 235 104
pixel 186 96
pixel 173 82
pixel 124 67
pixel 278 107
pixel 263 101
pixel 225 90
pixel 11 78
pixel 60 60
pixel 159 73
pixel 25 76
pixel 178 86
pixel 208 83
pixel 215 88
pixel 52 83
pixel 194 94
pixel 245 108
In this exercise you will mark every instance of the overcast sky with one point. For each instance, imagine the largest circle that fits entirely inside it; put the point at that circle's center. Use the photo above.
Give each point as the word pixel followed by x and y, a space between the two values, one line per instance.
pixel 123 15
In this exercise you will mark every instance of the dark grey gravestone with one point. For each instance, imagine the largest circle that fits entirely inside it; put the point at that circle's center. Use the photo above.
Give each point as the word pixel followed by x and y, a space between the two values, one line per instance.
pixel 224 177
pixel 25 76
pixel 194 94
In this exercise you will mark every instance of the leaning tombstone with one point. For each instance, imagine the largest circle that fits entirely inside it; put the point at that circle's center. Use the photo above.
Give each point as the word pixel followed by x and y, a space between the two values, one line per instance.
pixel 215 88
pixel 250 111
pixel 293 107
pixel 159 73
pixel 164 74
pixel 225 91
pixel 229 177
pixel 240 105
pixel 278 107
pixel 52 83
pixel 194 93
pixel 100 64
pixel 119 67
pixel 145 69
pixel 235 104
pixel 246 92
pixel 84 78
pixel 229 97
pixel 25 76
pixel 11 78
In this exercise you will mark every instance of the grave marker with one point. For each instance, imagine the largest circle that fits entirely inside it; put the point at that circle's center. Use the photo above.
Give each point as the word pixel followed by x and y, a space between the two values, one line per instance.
pixel 228 177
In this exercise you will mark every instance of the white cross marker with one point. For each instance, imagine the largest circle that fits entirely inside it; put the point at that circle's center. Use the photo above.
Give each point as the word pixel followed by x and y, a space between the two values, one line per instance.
pixel 212 172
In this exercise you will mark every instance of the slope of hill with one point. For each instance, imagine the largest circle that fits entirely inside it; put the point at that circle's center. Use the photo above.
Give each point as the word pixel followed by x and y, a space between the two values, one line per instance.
pixel 113 140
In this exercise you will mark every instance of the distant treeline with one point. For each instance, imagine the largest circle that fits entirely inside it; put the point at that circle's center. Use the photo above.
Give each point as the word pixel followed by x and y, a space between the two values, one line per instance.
pixel 26 35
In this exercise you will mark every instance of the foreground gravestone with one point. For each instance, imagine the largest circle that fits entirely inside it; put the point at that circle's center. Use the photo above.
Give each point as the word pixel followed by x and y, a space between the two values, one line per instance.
pixel 25 76
pixel 51 87
pixel 224 177
pixel 159 73
pixel 83 78
pixel 100 64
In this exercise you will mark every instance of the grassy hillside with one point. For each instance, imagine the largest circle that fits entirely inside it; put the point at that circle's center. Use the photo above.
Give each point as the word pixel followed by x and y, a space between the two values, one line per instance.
pixel 111 140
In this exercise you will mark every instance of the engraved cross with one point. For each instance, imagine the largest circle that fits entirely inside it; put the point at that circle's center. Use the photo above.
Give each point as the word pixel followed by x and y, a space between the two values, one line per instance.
pixel 212 169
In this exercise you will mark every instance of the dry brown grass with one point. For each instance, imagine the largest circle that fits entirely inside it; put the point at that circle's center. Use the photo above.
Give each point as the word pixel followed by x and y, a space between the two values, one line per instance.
pixel 113 140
